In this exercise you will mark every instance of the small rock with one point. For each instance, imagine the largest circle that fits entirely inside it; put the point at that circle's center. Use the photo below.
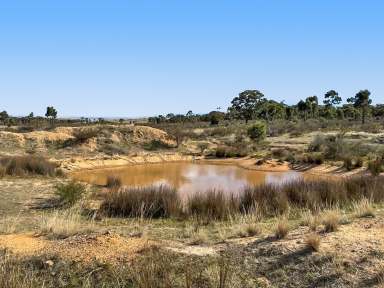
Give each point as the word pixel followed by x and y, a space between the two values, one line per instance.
pixel 49 263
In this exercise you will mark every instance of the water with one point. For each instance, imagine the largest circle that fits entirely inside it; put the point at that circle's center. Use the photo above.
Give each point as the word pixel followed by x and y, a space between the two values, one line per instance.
pixel 188 178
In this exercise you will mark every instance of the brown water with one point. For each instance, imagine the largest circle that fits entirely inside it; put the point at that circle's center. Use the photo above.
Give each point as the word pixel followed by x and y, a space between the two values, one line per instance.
pixel 188 178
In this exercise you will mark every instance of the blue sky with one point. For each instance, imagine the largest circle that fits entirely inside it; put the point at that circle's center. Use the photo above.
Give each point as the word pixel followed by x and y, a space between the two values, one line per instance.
pixel 143 58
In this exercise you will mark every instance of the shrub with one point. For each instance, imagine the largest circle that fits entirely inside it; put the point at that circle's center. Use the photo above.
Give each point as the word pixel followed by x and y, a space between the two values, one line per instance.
pixel 313 242
pixel 352 163
pixel 376 166
pixel 282 228
pixel 257 131
pixel 70 193
pixel 149 202
pixel 27 165
pixel 229 152
pixel 113 181
pixel 114 149
pixel 156 145
pixel 83 135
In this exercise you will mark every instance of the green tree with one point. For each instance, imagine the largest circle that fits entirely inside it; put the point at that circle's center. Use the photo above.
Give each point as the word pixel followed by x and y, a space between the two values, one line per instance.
pixel 303 108
pixel 272 110
pixel 312 105
pixel 51 112
pixel 331 98
pixel 246 105
pixel 362 102
pixel 4 116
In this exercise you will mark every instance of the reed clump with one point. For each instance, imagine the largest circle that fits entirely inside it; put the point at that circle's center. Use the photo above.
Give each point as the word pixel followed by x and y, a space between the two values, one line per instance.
pixel 267 200
pixel 148 202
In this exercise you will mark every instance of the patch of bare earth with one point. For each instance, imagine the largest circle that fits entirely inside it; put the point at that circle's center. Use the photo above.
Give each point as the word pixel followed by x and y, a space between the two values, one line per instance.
pixel 106 248
pixel 351 257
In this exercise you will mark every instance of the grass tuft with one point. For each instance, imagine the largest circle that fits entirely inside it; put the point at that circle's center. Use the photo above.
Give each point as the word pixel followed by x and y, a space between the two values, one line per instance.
pixel 313 242
pixel 282 228
pixel 331 220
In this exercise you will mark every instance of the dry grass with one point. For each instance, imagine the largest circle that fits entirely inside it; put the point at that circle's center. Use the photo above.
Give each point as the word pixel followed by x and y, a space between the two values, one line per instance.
pixel 212 205
pixel 313 242
pixel 363 208
pixel 331 220
pixel 248 230
pixel 310 220
pixel 282 228
pixel 62 224
pixel 26 165
pixel 142 202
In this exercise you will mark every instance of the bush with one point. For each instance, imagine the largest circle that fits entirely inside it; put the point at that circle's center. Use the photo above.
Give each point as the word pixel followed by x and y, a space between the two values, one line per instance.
pixel 229 152
pixel 114 149
pixel 83 135
pixel 156 145
pixel 27 165
pixel 376 166
pixel 70 193
pixel 257 131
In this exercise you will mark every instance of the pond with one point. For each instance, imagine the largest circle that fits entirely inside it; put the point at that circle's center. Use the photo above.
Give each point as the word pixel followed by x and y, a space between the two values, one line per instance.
pixel 187 177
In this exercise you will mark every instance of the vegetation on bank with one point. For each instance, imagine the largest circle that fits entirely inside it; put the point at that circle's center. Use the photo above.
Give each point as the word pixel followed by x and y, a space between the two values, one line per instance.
pixel 27 165
pixel 265 200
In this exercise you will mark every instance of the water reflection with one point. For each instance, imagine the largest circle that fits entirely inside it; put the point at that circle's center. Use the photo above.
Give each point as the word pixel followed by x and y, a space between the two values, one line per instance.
pixel 188 177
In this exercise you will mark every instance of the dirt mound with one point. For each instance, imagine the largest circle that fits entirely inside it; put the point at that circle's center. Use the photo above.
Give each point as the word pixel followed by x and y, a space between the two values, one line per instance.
pixel 119 137
pixel 106 248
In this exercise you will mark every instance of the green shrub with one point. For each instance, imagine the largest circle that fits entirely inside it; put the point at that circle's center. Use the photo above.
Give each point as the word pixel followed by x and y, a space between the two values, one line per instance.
pixel 257 131
pixel 70 193
pixel 229 152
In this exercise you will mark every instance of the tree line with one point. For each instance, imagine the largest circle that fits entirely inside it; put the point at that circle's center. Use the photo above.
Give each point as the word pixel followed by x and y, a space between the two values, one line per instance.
pixel 253 104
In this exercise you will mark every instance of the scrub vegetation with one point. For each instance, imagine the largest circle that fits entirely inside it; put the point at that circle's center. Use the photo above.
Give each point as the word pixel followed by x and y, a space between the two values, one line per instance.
pixel 324 230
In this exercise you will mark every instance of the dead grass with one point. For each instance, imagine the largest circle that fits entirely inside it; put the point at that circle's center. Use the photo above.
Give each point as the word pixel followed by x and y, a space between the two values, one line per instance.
pixel 26 165
pixel 62 224
pixel 331 220
pixel 282 228
pixel 313 241
pixel 363 208
pixel 310 220
pixel 142 202
pixel 248 230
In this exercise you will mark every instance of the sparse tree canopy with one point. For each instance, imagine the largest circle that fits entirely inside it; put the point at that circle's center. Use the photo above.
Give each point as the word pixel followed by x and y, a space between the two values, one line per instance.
pixel 331 98
pixel 246 105
pixel 362 102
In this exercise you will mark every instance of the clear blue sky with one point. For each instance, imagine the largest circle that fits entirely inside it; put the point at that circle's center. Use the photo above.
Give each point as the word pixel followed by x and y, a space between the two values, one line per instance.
pixel 143 58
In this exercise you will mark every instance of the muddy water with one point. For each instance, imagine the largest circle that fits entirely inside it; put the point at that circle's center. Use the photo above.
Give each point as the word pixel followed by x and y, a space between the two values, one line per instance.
pixel 188 178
